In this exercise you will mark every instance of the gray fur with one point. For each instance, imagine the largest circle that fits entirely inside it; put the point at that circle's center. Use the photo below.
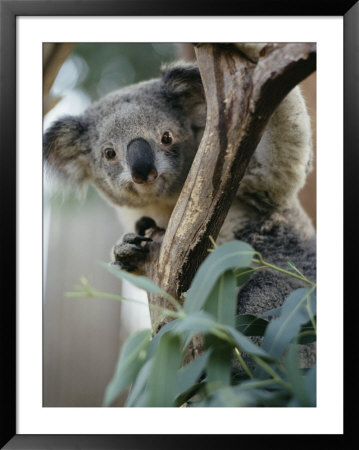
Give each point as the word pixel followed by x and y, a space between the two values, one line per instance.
pixel 278 243
pixel 266 212
pixel 146 111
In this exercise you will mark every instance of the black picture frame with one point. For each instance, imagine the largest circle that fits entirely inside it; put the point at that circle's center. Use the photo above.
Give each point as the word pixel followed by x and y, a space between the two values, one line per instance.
pixel 9 10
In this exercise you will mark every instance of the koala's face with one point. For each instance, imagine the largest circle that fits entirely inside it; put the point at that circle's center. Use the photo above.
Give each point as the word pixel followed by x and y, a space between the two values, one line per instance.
pixel 136 144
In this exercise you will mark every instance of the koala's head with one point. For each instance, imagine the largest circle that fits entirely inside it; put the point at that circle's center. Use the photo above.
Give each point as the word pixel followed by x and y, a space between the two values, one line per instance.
pixel 136 144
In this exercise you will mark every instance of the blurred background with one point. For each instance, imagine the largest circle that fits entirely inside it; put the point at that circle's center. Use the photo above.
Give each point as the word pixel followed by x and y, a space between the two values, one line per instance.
pixel 82 337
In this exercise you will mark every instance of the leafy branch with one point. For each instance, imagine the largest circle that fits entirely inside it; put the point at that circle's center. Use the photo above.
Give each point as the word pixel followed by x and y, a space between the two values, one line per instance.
pixel 154 364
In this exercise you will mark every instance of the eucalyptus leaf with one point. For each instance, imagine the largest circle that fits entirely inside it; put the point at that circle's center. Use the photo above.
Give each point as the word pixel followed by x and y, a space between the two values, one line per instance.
pixel 228 397
pixel 235 396
pixel 295 312
pixel 222 300
pixel 245 344
pixel 250 325
pixel 138 394
pixel 268 392
pixel 307 333
pixel 156 339
pixel 197 322
pixel 196 389
pixel 187 338
pixel 293 403
pixel 275 312
pixel 310 383
pixel 219 367
pixel 243 275
pixel 295 377
pixel 131 359
pixel 230 255
pixel 162 381
pixel 138 280
pixel 189 374
pixel 141 399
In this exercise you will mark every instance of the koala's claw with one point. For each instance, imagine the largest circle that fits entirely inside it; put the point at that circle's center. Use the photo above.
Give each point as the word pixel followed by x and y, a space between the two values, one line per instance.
pixel 129 253
pixel 133 238
pixel 127 267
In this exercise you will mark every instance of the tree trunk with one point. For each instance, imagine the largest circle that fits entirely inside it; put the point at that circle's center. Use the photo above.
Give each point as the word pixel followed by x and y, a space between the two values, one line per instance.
pixel 243 86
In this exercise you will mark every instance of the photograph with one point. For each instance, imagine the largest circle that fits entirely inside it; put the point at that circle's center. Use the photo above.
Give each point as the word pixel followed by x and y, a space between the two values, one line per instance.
pixel 123 122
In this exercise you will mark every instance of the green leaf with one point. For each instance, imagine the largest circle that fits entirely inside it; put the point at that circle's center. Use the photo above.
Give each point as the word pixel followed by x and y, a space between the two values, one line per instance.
pixel 228 256
pixel 139 281
pixel 131 359
pixel 295 312
pixel 219 365
pixel 162 381
pixel 138 394
pixel 307 333
pixel 250 325
pixel 196 389
pixel 193 324
pixel 243 275
pixel 189 374
pixel 272 312
pixel 245 344
pixel 310 383
pixel 156 339
pixel 227 397
pixel 197 322
pixel 235 396
pixel 187 338
pixel 294 375
pixel 222 300
pixel 302 387
pixel 202 322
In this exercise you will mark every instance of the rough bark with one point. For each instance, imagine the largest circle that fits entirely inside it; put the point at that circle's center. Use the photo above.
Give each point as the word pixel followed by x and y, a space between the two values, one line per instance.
pixel 242 92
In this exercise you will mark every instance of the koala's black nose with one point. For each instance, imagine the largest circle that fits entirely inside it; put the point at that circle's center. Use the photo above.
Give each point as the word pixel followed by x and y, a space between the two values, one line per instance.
pixel 141 161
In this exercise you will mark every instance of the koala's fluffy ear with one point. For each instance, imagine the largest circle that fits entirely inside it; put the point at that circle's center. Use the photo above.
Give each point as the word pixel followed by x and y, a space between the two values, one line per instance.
pixel 66 148
pixel 182 85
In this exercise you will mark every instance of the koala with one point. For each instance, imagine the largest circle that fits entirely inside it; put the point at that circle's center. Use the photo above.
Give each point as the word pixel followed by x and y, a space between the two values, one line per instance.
pixel 136 146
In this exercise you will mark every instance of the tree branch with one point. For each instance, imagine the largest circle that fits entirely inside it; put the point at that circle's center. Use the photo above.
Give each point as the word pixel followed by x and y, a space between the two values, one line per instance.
pixel 241 96
pixel 54 55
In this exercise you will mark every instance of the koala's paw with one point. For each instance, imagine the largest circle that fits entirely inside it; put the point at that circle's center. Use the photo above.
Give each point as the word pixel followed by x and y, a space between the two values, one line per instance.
pixel 130 252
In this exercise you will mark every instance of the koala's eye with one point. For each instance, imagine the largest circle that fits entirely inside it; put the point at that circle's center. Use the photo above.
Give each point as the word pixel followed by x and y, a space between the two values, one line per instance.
pixel 166 138
pixel 110 153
